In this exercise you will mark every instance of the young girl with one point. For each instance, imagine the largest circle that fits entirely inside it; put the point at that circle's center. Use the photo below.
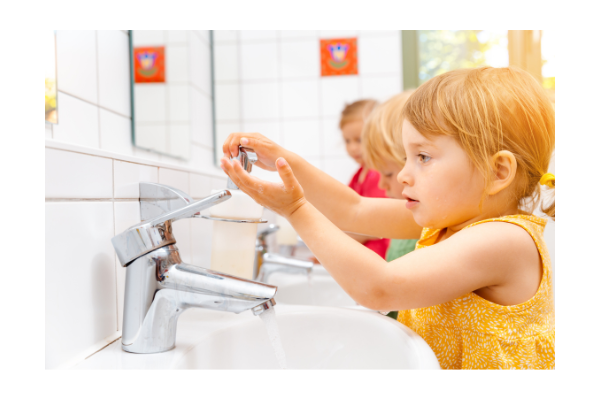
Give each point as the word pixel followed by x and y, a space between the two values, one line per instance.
pixel 383 152
pixel 478 288
pixel 364 182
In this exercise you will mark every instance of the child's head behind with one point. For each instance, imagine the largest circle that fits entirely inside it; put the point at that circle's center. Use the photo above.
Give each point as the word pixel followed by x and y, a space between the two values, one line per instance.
pixel 487 110
pixel 382 145
pixel 351 124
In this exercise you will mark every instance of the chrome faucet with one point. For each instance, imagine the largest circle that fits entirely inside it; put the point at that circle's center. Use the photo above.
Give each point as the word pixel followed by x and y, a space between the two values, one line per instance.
pixel 159 286
pixel 266 263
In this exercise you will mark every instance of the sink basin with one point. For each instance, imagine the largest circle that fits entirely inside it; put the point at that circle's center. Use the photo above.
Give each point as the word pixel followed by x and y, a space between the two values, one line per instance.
pixel 319 291
pixel 315 338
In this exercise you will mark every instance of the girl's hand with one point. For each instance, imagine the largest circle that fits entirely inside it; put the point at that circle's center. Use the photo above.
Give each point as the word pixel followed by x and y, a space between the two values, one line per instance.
pixel 266 150
pixel 284 199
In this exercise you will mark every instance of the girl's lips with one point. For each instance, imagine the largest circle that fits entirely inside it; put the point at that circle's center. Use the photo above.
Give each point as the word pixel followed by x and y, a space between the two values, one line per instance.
pixel 411 203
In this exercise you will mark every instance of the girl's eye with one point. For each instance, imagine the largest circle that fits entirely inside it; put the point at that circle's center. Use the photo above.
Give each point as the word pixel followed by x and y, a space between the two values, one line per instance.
pixel 388 175
pixel 423 158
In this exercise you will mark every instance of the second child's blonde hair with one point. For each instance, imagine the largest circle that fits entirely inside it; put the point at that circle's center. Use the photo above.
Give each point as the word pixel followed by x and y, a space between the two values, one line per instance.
pixel 357 111
pixel 488 110
pixel 382 136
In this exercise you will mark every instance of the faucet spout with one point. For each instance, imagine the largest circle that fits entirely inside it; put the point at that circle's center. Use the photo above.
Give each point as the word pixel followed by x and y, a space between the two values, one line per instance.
pixel 159 288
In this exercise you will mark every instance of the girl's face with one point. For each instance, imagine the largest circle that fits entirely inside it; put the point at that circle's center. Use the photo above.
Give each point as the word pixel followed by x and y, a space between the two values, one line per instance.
pixel 351 133
pixel 442 187
pixel 388 181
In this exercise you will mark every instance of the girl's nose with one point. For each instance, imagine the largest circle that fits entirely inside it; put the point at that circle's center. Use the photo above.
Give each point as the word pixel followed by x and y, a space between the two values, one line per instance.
pixel 404 177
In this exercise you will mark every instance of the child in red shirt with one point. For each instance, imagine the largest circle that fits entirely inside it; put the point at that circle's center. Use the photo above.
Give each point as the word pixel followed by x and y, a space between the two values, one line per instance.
pixel 365 181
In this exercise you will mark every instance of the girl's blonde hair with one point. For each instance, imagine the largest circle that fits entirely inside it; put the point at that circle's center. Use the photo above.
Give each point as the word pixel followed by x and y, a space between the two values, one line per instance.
pixel 357 111
pixel 382 136
pixel 488 110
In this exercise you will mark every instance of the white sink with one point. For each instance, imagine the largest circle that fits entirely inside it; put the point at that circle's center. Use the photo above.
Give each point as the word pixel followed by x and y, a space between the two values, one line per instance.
pixel 312 337
pixel 315 338
pixel 319 291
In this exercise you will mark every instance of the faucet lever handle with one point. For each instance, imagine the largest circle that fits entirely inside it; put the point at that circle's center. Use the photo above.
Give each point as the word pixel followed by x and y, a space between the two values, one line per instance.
pixel 247 157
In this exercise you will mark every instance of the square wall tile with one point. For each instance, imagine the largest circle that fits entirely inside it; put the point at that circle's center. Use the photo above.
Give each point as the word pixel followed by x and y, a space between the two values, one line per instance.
pixel 76 64
pixel 300 59
pixel 201 241
pixel 302 137
pixel 379 33
pixel 300 99
pixel 336 93
pixel 377 55
pixel 77 121
pixel 201 118
pixel 258 35
pixel 225 35
pixel 332 140
pixel 227 61
pixel 290 34
pixel 149 38
pixel 77 176
pixel 200 65
pixel 48 131
pixel 218 183
pixel 202 158
pixel 177 63
pixel 259 61
pixel 342 168
pixel 380 88
pixel 203 35
pixel 260 101
pixel 80 290
pixel 150 102
pixel 272 130
pixel 115 132
pixel 178 96
pixel 199 186
pixel 227 99
pixel 179 140
pixel 128 177
pixel 151 137
pixel 114 92
pixel 177 179
pixel 315 161
pixel 339 34
pixel 127 213
pixel 179 36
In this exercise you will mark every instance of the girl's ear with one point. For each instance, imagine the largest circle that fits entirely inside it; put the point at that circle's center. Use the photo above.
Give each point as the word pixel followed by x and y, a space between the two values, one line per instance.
pixel 504 166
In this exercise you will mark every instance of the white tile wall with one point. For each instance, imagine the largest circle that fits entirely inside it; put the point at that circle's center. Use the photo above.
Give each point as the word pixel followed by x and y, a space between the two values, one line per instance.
pixel 127 177
pixel 80 290
pixel 298 34
pixel 379 55
pixel 177 63
pixel 113 72
pixel 179 140
pixel 225 36
pixel 300 59
pixel 201 65
pixel 300 99
pixel 178 109
pixel 246 36
pixel 260 101
pixel 77 121
pixel 153 137
pixel 303 137
pixel 176 37
pixel 199 186
pixel 271 129
pixel 115 132
pixel 227 99
pixel 76 51
pixel 342 168
pixel 227 62
pixel 333 34
pixel 201 118
pixel 77 176
pixel 336 92
pixel 151 103
pixel 48 131
pixel 332 140
pixel 259 61
pixel 149 38
pixel 380 88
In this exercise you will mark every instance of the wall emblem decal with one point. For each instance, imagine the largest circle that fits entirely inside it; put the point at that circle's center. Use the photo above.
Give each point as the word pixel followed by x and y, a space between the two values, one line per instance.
pixel 149 64
pixel 339 57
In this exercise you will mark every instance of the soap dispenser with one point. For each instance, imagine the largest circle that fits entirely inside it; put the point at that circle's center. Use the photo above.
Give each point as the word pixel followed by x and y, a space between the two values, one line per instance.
pixel 235 226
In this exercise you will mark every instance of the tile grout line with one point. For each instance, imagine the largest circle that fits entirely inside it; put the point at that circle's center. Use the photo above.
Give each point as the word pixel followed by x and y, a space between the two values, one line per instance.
pixel 93 104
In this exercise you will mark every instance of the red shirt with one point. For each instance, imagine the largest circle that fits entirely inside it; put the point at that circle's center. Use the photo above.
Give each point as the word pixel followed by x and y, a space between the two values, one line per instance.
pixel 369 188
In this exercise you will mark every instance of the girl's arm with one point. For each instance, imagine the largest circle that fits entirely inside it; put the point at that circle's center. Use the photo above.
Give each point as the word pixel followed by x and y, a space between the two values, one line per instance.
pixel 494 256
pixel 375 217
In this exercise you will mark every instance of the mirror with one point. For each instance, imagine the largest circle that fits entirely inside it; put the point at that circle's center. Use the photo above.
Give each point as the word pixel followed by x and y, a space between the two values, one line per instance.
pixel 51 106
pixel 167 71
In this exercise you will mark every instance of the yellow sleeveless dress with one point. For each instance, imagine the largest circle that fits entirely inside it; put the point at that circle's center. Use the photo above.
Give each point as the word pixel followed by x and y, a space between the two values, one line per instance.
pixel 473 333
